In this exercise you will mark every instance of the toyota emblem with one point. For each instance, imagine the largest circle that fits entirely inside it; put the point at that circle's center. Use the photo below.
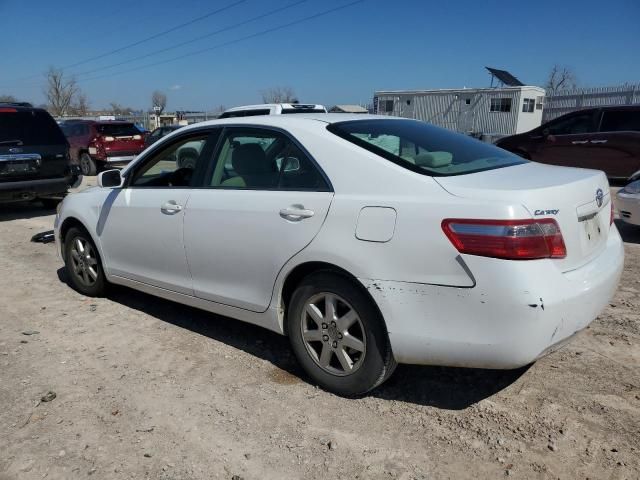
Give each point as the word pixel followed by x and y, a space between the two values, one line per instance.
pixel 599 197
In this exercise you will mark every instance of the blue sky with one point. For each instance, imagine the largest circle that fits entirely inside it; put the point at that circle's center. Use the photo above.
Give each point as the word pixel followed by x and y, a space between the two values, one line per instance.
pixel 341 57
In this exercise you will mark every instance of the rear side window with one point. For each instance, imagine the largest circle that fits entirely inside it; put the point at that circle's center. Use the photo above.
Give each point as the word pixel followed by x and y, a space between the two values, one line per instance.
pixel 118 129
pixel 303 110
pixel 423 148
pixel 29 127
pixel 246 113
pixel 620 121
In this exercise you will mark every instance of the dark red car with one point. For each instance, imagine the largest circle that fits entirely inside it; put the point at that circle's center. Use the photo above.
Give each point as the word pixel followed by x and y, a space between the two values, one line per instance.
pixel 96 145
pixel 606 138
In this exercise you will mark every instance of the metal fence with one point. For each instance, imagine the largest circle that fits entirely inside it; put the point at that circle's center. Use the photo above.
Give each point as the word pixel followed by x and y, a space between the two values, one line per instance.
pixel 566 101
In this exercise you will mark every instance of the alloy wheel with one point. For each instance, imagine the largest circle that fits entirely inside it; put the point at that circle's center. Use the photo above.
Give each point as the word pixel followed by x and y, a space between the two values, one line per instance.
pixel 84 261
pixel 333 334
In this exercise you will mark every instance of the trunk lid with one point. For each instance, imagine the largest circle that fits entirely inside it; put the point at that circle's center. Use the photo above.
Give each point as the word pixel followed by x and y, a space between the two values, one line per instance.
pixel 578 199
pixel 121 138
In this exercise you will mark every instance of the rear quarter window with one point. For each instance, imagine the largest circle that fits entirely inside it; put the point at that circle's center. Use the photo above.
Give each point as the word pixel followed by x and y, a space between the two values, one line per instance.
pixel 30 127
pixel 424 148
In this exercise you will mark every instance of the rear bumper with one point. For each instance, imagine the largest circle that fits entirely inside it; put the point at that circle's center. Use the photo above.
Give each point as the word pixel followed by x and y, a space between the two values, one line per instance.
pixel 29 189
pixel 628 205
pixel 516 313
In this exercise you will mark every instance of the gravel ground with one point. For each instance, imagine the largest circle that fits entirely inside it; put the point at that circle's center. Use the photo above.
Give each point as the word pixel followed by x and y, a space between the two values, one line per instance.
pixel 145 388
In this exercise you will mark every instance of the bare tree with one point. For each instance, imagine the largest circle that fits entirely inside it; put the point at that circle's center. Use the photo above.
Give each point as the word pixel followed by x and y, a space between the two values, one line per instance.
pixel 118 109
pixel 60 91
pixel 159 99
pixel 81 105
pixel 7 98
pixel 560 78
pixel 278 95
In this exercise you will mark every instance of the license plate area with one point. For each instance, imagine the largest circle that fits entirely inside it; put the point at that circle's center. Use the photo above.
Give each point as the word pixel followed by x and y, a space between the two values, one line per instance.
pixel 593 233
pixel 25 164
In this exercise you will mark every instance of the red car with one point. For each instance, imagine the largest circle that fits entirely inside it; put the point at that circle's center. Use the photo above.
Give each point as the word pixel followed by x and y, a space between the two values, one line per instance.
pixel 605 138
pixel 96 145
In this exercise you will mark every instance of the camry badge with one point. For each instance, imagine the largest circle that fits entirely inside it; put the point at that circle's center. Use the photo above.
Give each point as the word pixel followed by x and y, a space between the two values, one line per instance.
pixel 599 197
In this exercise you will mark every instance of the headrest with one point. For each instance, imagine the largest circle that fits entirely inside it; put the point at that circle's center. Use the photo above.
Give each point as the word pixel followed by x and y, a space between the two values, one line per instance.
pixel 434 159
pixel 249 159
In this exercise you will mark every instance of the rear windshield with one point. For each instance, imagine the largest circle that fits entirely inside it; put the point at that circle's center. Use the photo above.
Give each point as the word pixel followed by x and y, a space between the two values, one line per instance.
pixel 303 110
pixel 29 127
pixel 423 148
pixel 118 129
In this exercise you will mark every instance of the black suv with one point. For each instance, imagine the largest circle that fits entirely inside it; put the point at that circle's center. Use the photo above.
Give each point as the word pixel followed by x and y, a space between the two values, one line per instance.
pixel 34 156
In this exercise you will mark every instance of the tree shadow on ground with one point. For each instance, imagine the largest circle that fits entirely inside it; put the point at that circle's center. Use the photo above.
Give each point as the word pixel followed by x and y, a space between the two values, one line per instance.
pixel 440 387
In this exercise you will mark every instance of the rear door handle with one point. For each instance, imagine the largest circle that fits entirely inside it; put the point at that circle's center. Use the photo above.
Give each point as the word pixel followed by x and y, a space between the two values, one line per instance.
pixel 579 142
pixel 170 208
pixel 295 213
pixel 598 141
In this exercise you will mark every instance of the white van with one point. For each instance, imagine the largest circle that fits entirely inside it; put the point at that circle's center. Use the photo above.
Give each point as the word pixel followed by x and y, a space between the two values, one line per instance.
pixel 272 109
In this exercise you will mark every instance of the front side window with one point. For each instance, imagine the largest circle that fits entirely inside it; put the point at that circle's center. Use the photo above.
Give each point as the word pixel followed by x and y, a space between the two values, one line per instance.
pixel 500 105
pixel 263 159
pixel 173 166
pixel 574 125
pixel 529 105
pixel 424 148
pixel 621 121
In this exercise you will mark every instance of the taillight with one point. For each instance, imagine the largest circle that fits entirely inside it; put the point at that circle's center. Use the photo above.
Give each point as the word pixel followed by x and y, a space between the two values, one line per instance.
pixel 8 110
pixel 509 239
pixel 108 139
pixel 137 137
pixel 611 215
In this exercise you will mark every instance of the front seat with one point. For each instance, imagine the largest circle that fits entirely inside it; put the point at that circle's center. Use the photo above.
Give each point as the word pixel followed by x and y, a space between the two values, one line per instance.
pixel 250 163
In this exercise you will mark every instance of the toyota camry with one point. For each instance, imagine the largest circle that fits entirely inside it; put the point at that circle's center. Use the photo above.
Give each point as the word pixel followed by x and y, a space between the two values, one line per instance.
pixel 368 241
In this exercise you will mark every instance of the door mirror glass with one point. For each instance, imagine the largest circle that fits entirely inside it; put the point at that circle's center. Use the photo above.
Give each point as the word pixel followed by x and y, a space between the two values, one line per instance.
pixel 291 164
pixel 110 179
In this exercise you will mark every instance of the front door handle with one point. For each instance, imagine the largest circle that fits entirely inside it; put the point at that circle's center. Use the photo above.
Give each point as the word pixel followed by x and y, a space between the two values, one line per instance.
pixel 170 208
pixel 598 141
pixel 296 212
pixel 579 142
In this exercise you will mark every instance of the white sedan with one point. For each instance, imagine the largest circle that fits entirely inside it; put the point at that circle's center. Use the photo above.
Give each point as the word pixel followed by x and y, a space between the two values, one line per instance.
pixel 369 241
pixel 628 202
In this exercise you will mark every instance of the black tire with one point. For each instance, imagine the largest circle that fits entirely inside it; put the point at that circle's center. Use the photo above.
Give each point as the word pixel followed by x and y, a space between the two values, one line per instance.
pixel 80 277
pixel 49 203
pixel 87 165
pixel 370 367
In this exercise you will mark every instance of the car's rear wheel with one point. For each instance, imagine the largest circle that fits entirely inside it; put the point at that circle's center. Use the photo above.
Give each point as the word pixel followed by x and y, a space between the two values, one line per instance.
pixel 338 335
pixel 83 263
pixel 87 165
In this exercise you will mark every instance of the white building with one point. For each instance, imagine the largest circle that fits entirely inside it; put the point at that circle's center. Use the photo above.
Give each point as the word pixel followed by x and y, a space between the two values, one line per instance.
pixel 492 112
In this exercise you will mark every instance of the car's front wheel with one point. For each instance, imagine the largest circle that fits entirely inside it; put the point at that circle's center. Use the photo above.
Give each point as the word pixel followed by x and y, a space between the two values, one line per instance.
pixel 338 335
pixel 87 165
pixel 83 263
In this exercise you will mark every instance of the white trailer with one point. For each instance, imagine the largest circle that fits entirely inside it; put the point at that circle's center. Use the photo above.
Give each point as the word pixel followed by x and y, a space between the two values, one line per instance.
pixel 484 112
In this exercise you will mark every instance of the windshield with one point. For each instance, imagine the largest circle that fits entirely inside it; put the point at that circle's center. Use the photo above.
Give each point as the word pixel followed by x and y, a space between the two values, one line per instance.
pixel 118 129
pixel 29 127
pixel 423 148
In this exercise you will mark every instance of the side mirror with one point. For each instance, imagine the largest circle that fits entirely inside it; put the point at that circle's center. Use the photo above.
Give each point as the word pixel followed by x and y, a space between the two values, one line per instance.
pixel 110 179
pixel 546 133
pixel 291 164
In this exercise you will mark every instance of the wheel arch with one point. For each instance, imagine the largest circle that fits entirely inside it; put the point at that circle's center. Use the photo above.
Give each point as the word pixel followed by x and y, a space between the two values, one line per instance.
pixel 303 270
pixel 67 224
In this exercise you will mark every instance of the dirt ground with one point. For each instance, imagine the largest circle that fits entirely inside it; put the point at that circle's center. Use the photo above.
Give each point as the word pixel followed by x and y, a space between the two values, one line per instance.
pixel 145 388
